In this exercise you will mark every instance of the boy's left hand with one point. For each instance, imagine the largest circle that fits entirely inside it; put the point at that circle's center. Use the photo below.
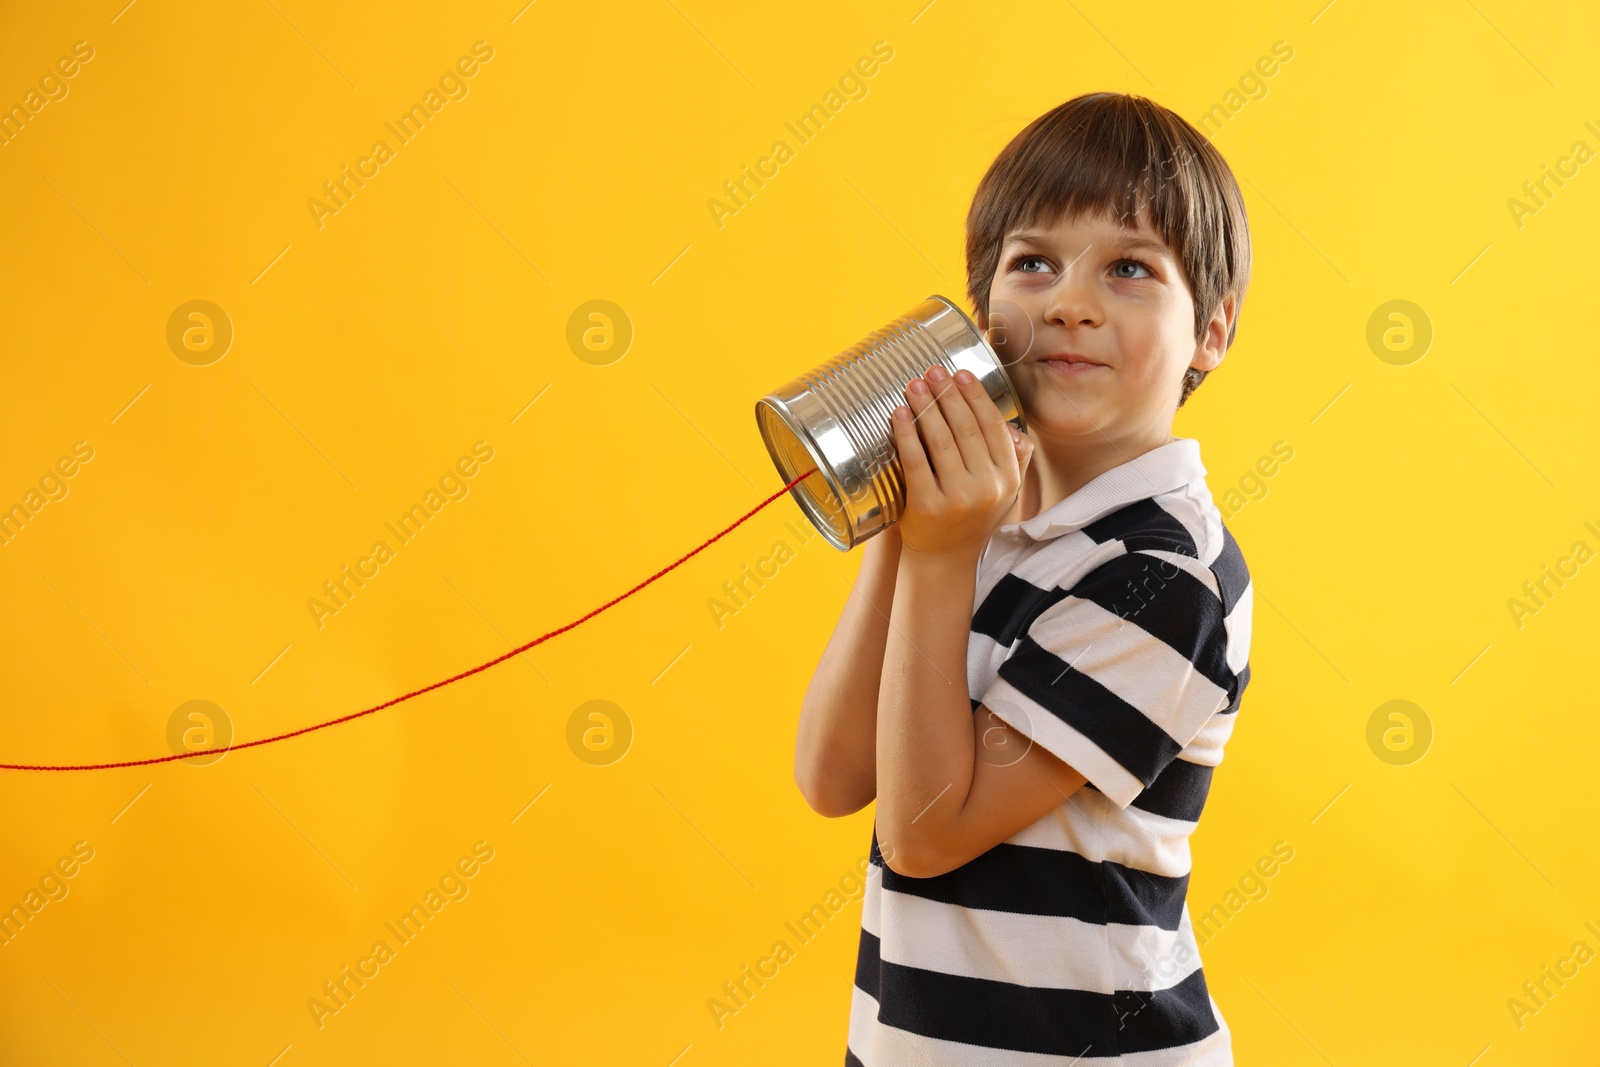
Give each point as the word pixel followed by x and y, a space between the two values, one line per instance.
pixel 964 474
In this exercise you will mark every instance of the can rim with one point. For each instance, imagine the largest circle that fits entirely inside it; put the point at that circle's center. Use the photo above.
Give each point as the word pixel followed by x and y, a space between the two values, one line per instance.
pixel 780 410
pixel 1011 386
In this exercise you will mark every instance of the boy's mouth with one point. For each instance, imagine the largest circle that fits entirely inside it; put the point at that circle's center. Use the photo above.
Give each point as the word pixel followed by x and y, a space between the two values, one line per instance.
pixel 1071 363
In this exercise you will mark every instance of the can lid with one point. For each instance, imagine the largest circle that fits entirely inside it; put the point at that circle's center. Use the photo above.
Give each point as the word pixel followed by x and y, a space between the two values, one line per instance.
pixel 791 452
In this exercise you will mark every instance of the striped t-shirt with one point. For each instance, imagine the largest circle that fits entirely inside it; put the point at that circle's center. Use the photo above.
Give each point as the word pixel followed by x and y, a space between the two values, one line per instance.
pixel 1113 629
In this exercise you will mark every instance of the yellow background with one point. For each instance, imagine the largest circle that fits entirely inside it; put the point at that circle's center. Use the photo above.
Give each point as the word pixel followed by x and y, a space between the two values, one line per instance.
pixel 370 353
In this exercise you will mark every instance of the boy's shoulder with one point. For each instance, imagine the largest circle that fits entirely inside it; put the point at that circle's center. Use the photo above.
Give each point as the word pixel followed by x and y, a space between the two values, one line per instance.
pixel 1178 532
pixel 1168 554
pixel 1176 521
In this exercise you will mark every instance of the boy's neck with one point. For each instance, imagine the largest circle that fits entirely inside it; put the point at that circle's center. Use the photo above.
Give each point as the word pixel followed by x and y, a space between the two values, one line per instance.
pixel 1060 468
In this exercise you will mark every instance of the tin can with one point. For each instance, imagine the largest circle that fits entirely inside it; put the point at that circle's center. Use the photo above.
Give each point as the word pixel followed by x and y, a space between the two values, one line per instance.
pixel 835 418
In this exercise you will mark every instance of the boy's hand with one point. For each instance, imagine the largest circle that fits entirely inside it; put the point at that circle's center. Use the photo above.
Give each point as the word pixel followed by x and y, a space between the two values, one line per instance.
pixel 964 474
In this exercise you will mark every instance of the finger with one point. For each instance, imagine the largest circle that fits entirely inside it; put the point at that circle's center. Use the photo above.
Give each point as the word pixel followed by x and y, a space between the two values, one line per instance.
pixel 937 441
pixel 920 484
pixel 964 428
pixel 1024 446
pixel 991 426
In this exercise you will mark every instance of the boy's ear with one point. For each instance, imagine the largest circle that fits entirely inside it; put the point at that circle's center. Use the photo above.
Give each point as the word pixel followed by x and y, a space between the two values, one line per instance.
pixel 1213 344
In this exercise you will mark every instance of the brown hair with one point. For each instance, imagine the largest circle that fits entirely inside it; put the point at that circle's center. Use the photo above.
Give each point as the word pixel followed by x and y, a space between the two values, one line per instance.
pixel 1126 155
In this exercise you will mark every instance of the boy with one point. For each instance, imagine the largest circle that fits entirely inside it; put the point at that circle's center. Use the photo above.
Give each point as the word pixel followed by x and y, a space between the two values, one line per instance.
pixel 1043 657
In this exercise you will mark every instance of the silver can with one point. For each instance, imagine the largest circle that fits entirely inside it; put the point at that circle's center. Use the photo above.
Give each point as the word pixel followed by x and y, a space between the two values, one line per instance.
pixel 834 419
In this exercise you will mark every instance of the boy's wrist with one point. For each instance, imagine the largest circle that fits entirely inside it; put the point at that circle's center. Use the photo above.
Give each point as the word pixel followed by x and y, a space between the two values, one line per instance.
pixel 958 562
pixel 885 540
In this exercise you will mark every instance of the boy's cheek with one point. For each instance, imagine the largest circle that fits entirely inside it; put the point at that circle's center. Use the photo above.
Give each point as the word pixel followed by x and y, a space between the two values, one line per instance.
pixel 1010 331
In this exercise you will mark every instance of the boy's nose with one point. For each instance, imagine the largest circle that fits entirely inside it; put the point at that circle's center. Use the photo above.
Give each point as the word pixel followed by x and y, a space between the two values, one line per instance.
pixel 1072 302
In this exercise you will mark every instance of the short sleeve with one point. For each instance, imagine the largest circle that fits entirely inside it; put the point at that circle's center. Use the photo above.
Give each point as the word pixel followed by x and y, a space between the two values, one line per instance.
pixel 1119 674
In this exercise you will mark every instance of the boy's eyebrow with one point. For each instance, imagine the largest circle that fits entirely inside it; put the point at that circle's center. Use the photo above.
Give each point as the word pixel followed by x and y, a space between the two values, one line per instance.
pixel 1127 241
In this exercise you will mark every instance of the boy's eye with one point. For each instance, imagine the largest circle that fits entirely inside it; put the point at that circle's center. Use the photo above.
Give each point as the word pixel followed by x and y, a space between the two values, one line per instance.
pixel 1132 263
pixel 1020 263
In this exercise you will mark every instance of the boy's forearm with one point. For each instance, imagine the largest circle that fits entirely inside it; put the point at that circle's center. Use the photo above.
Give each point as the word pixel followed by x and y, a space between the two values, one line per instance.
pixel 836 744
pixel 925 748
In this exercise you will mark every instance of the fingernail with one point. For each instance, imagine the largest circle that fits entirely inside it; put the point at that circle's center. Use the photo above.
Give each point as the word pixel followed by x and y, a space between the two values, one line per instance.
pixel 918 386
pixel 902 412
pixel 936 374
pixel 965 377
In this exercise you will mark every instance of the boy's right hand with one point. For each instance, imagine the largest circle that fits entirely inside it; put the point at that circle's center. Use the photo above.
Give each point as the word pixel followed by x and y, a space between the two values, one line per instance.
pixel 964 464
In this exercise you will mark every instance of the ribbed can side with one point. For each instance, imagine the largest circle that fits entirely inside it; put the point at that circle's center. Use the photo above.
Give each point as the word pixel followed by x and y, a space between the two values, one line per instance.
pixel 861 388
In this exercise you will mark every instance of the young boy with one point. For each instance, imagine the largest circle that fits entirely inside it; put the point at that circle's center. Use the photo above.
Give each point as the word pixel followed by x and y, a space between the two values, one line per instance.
pixel 1042 659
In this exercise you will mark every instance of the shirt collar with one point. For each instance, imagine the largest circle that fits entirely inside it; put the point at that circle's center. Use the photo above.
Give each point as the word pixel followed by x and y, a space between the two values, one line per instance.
pixel 1160 470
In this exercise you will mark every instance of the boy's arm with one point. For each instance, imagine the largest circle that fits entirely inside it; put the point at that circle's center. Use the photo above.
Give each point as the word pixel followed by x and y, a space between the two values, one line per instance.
pixel 950 783
pixel 836 745
pixel 953 782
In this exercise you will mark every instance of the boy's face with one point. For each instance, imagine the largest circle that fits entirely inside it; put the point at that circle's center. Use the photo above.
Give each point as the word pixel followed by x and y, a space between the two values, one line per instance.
pixel 1116 296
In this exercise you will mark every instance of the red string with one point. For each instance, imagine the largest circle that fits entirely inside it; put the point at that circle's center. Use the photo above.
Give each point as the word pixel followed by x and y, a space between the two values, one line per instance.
pixel 418 692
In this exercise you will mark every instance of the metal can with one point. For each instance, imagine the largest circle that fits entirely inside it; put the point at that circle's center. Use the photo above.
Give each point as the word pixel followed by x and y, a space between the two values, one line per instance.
pixel 835 417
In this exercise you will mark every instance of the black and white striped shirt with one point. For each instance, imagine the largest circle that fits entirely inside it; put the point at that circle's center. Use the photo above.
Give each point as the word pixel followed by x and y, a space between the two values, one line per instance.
pixel 1113 629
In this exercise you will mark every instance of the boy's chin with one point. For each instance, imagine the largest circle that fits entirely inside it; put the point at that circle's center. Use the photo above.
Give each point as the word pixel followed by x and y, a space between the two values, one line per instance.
pixel 1058 426
pixel 1059 416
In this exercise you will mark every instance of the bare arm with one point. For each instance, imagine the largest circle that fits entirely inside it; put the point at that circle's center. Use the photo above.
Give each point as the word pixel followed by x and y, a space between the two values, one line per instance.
pixel 835 755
